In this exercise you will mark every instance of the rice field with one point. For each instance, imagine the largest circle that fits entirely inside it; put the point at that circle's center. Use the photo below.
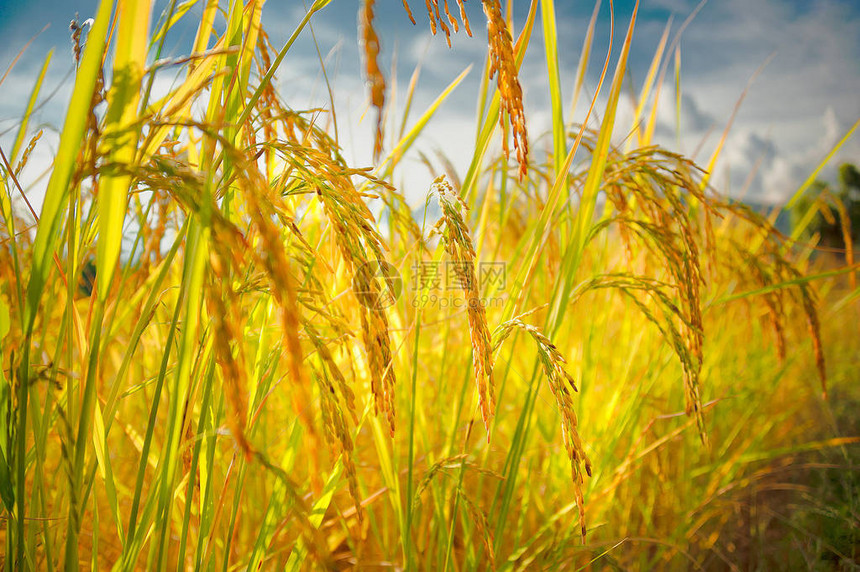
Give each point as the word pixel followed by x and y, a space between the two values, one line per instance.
pixel 224 347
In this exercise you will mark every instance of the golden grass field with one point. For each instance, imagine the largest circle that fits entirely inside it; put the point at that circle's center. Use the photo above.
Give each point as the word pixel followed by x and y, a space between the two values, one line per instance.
pixel 225 348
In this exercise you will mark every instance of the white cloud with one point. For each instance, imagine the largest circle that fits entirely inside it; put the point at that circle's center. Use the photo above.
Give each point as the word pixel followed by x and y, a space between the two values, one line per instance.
pixel 795 111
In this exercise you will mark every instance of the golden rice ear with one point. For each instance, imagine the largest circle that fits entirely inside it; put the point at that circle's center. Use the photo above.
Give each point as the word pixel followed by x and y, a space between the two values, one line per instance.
pixel 560 383
pixel 232 368
pixel 408 11
pixel 373 75
pixel 458 245
pixel 361 247
pixel 339 437
pixel 374 329
pixel 26 156
pixel 438 19
pixel 663 224
pixel 503 63
pixel 767 264
pixel 370 49
pixel 464 18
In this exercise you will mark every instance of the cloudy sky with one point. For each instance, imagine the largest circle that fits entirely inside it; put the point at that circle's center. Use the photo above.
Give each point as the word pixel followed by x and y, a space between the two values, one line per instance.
pixel 798 107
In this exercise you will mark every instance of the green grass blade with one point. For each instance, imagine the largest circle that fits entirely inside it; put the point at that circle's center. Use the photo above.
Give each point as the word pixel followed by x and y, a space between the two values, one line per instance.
pixel 121 133
pixel 645 93
pixel 203 420
pixel 409 138
pixel 270 73
pixel 785 284
pixel 64 162
pixel 105 469
pixel 591 188
pixel 28 112
pixel 7 490
pixel 812 177
pixel 491 120
pixel 584 57
pixel 550 40
pixel 196 256
pixel 170 21
pixel 82 438
pixel 410 474
pixel 538 238
pixel 134 538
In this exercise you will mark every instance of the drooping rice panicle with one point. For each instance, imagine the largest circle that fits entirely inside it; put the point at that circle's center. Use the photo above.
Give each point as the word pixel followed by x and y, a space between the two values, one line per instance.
pixel 560 383
pixel 458 244
pixel 26 155
pixel 662 222
pixel 335 424
pixel 373 75
pixel 225 339
pixel 504 67
pixel 437 18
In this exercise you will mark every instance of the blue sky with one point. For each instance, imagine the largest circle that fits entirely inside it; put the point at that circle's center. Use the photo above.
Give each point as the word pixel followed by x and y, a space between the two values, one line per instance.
pixel 806 97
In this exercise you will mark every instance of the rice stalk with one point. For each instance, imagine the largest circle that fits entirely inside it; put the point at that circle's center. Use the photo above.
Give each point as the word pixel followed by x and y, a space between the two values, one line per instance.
pixel 764 258
pixel 438 19
pixel 503 63
pixel 29 149
pixel 458 245
pixel 361 248
pixel 560 383
pixel 221 299
pixel 335 423
pixel 648 188
pixel 373 75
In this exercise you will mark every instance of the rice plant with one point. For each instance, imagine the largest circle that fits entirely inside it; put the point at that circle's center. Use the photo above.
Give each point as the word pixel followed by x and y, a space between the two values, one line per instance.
pixel 224 346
